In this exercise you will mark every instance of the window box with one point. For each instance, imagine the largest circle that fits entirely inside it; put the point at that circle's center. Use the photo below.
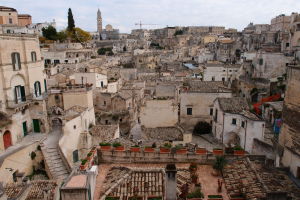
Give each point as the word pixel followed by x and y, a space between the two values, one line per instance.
pixel 105 146
pixel 135 149
pixel 154 198
pixel 181 151
pixel 239 152
pixel 165 150
pixel 149 150
pixel 201 151
pixel 120 148
pixel 215 197
pixel 83 165
pixel 218 152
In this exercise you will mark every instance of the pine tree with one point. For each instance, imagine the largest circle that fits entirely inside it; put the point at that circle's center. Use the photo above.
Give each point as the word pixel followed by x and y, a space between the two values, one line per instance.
pixel 71 22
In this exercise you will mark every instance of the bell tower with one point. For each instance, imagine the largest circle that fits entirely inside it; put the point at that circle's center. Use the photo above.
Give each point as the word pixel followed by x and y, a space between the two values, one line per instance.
pixel 99 21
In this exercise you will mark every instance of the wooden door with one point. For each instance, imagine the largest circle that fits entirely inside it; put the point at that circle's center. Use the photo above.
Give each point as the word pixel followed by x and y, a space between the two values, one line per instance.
pixel 36 126
pixel 25 128
pixel 7 139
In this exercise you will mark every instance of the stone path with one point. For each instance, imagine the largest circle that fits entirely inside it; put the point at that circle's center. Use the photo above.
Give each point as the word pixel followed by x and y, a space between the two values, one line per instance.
pixel 52 157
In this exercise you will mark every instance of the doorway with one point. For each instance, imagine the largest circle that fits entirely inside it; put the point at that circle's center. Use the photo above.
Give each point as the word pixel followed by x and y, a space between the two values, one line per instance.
pixel 36 126
pixel 25 130
pixel 7 139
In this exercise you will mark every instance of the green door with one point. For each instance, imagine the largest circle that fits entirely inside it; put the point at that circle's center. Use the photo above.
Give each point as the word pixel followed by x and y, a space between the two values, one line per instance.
pixel 75 156
pixel 36 125
pixel 25 128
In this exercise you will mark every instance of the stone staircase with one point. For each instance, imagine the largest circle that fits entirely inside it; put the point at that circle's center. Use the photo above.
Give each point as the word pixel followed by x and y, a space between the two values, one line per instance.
pixel 54 162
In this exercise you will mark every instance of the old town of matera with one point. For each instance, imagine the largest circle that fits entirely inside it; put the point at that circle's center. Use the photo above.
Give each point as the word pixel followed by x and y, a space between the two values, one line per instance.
pixel 202 112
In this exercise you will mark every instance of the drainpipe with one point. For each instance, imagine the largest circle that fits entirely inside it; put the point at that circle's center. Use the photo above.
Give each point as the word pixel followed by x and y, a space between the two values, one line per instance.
pixel 246 126
pixel 223 128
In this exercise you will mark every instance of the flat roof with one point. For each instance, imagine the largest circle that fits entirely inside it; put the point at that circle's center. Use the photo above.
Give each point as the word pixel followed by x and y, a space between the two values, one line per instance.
pixel 78 181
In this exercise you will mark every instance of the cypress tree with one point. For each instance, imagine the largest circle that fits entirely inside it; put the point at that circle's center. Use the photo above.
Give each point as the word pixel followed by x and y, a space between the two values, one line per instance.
pixel 71 22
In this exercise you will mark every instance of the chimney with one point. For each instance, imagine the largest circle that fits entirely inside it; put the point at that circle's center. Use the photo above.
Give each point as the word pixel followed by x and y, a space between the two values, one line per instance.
pixel 170 183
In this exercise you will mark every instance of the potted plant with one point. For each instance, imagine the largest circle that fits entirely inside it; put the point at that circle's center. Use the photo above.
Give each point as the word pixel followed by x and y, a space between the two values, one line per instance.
pixel 201 151
pixel 104 146
pixel 154 198
pixel 215 197
pixel 194 178
pixel 180 149
pixel 196 195
pixel 89 156
pixel 238 151
pixel 135 148
pixel 118 146
pixel 148 149
pixel 193 167
pixel 84 164
pixel 218 151
pixel 135 198
pixel 93 150
pixel 219 164
pixel 166 148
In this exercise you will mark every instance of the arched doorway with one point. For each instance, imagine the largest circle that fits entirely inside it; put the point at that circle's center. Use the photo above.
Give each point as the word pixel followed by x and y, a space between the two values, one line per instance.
pixel 7 139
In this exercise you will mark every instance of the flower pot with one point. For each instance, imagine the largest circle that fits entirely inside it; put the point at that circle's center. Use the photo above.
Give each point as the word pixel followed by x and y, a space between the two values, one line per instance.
pixel 83 167
pixel 215 197
pixel 135 149
pixel 218 152
pixel 201 151
pixel 181 151
pixel 165 150
pixel 239 152
pixel 120 148
pixel 194 198
pixel 105 148
pixel 149 150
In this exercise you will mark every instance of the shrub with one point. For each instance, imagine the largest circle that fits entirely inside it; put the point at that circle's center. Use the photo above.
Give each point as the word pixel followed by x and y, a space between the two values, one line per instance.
pixel 89 154
pixel 202 128
pixel 83 162
pixel 117 144
pixel 238 148
pixel 196 194
pixel 135 146
pixel 33 155
pixel 167 145
pixel 220 163
pixel 178 32
pixel 215 196
pixel 154 145
pixel 112 198
pixel 104 144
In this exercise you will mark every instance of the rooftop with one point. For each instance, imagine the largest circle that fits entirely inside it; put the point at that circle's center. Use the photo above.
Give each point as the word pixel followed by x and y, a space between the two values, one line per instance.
pixel 207 87
pixel 78 181
pixel 234 105
pixel 104 133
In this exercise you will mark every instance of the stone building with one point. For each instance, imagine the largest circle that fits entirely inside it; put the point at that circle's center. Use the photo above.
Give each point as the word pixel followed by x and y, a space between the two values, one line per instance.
pixel 233 123
pixel 216 71
pixel 289 137
pixel 23 88
pixel 196 101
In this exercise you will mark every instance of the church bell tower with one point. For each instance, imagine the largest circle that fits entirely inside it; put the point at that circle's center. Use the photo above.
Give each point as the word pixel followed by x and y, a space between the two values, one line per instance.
pixel 99 21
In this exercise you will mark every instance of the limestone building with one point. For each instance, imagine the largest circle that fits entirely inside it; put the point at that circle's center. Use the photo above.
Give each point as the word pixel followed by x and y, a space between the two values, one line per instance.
pixel 22 88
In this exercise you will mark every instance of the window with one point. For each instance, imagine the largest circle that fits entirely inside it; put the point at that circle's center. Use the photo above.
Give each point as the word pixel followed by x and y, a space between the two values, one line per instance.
pixel 56 61
pixel 243 124
pixel 287 44
pixel 211 112
pixel 104 103
pixel 74 127
pixel 223 79
pixel 16 61
pixel 8 31
pixel 189 111
pixel 106 122
pixel 121 120
pixel 37 89
pixel 10 21
pixel 213 78
pixel 75 156
pixel 216 115
pixel 233 121
pixel 261 61
pixel 102 84
pixel 33 56
pixel 20 94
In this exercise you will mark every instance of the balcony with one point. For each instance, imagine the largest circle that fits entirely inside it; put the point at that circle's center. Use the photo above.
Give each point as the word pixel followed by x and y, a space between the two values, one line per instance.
pixel 11 104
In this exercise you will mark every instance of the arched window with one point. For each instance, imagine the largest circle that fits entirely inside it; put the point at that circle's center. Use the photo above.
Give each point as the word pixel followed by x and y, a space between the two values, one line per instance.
pixel 33 56
pixel 16 61
pixel 37 89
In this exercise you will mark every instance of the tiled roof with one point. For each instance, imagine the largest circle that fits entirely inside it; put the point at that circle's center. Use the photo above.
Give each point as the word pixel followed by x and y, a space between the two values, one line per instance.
pixel 79 181
pixel 104 133
pixel 207 87
pixel 233 105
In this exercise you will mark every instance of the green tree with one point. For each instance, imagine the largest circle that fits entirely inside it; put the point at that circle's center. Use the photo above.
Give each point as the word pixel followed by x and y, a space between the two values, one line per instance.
pixel 49 33
pixel 71 22
pixel 80 35
pixel 62 36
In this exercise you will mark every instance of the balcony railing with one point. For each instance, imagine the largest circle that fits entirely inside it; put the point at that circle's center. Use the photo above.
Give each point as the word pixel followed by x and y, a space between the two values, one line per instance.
pixel 29 99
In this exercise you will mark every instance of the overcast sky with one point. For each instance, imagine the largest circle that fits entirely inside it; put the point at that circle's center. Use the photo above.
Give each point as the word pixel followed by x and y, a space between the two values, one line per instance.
pixel 123 14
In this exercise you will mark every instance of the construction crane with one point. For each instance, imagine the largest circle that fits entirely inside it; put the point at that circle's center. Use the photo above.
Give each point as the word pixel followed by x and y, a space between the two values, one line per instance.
pixel 141 24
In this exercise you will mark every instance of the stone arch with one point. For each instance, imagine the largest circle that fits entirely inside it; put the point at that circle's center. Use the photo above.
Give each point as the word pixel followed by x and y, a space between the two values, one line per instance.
pixel 233 139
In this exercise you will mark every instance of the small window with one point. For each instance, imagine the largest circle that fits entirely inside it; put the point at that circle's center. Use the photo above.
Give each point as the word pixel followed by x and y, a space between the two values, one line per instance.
pixel 189 111
pixel 104 103
pixel 223 79
pixel 121 120
pixel 211 111
pixel 33 56
pixel 234 121
pixel 243 124
pixel 106 122
pixel 8 31
pixel 261 61
pixel 213 78
pixel 74 127
pixel 287 44
pixel 10 21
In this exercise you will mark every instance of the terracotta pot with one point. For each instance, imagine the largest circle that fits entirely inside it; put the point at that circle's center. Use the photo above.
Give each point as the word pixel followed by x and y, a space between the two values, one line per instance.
pixel 120 148
pixel 149 150
pixel 135 149
pixel 181 151
pixel 165 150
pixel 83 167
pixel 201 151
pixel 239 152
pixel 218 152
pixel 105 148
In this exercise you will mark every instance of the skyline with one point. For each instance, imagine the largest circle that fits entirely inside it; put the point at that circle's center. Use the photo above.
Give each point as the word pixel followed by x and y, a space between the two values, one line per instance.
pixel 229 13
